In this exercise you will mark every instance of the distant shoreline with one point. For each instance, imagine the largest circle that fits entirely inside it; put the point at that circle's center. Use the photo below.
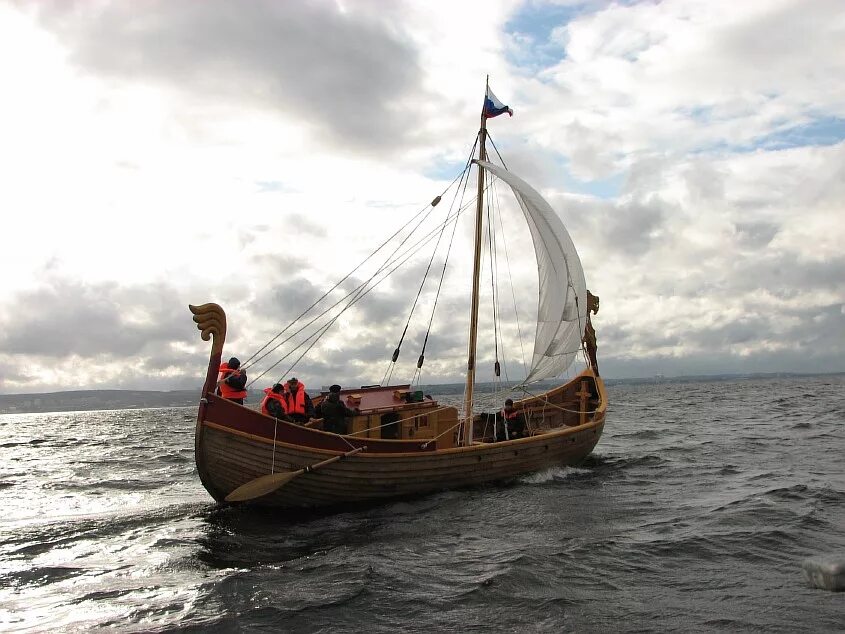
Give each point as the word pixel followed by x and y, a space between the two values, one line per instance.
pixel 88 400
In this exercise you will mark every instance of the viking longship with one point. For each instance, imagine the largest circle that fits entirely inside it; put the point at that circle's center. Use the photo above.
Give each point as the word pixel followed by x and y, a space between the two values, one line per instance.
pixel 400 441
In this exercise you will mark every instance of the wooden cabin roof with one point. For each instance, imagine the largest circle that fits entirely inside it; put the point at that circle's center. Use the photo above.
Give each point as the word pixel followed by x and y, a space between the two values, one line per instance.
pixel 379 398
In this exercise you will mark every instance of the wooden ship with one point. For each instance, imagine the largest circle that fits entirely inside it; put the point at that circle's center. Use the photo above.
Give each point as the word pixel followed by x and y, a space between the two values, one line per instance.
pixel 401 442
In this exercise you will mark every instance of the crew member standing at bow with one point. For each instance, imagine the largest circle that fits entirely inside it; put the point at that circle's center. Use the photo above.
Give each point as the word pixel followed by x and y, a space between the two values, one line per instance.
pixel 274 403
pixel 231 381
pixel 298 404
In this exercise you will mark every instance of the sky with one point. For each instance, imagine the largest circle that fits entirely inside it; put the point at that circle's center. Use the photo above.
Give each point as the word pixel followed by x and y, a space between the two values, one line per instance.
pixel 155 154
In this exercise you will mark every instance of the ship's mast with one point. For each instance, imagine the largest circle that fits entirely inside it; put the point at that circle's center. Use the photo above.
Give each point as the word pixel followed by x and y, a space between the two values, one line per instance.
pixel 476 276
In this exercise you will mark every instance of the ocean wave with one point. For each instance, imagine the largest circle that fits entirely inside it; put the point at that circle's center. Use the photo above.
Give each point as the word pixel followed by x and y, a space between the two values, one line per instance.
pixel 555 474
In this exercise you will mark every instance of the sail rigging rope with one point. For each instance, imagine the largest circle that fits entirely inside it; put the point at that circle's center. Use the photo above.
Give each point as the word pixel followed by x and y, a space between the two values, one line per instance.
pixel 360 264
pixel 513 293
pixel 546 401
pixel 410 252
pixel 421 359
pixel 489 138
pixel 360 291
pixel 491 249
pixel 389 372
pixel 507 259
pixel 405 239
pixel 390 261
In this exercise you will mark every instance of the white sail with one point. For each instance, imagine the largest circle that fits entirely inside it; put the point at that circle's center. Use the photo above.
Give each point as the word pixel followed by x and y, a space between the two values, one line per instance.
pixel 562 308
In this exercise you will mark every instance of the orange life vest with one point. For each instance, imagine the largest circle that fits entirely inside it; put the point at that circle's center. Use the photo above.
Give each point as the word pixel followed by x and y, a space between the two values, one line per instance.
pixel 226 391
pixel 295 402
pixel 276 397
pixel 510 416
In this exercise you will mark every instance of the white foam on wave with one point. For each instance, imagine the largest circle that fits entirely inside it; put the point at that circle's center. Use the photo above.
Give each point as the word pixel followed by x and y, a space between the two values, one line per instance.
pixel 553 474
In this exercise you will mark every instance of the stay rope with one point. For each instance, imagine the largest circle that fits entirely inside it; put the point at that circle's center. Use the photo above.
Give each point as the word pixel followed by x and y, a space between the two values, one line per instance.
pixel 431 205
pixel 359 292
pixel 465 179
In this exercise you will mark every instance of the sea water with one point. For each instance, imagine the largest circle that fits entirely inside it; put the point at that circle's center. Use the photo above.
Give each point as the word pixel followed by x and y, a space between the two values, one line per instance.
pixel 694 513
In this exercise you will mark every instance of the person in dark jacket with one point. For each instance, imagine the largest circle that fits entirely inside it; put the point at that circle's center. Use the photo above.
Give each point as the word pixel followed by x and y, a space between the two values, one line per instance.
pixel 334 413
pixel 514 420
pixel 231 381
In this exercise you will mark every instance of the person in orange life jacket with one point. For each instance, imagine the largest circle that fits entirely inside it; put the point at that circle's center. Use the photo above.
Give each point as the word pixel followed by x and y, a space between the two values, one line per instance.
pixel 231 381
pixel 297 402
pixel 274 403
pixel 514 421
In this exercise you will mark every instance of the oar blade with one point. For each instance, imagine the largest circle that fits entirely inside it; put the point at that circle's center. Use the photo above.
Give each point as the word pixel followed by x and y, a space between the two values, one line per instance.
pixel 261 486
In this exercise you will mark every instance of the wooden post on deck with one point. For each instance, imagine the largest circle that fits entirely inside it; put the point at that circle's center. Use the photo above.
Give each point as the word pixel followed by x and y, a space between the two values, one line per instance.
pixel 584 395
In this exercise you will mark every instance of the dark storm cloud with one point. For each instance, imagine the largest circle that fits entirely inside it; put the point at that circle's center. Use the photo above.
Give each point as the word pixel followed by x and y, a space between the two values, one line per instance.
pixel 344 71
pixel 71 318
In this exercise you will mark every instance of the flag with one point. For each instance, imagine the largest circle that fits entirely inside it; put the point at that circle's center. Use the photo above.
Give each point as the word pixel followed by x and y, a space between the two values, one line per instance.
pixel 493 107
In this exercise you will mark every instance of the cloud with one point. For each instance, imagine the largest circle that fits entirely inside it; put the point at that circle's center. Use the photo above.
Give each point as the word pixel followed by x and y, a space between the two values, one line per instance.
pixel 644 79
pixel 345 71
pixel 254 154
pixel 71 318
pixel 69 334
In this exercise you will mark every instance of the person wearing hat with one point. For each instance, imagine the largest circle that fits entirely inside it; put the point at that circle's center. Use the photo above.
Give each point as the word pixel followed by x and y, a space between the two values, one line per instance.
pixel 231 381
pixel 334 413
pixel 298 404
pixel 273 403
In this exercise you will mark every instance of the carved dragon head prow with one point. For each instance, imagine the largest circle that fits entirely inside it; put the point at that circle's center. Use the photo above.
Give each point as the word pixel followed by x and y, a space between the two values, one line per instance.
pixel 592 303
pixel 211 320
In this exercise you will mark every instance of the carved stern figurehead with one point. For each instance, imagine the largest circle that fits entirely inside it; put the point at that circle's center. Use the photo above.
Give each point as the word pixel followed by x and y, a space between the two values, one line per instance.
pixel 590 332
pixel 211 320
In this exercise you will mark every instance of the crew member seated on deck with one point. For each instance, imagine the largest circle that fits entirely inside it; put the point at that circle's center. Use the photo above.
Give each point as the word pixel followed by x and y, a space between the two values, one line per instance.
pixel 274 403
pixel 334 413
pixel 514 420
pixel 298 404
pixel 231 381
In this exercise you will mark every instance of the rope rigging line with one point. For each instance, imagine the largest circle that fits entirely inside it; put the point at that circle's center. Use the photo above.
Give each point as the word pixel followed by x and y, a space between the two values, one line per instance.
pixel 383 265
pixel 513 293
pixel 546 401
pixel 360 264
pixel 361 293
pixel 490 138
pixel 391 260
pixel 508 263
pixel 421 359
pixel 392 365
pixel 320 332
pixel 492 255
pixel 499 386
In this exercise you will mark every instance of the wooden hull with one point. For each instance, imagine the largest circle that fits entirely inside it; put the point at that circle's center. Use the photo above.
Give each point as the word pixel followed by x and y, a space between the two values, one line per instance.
pixel 235 445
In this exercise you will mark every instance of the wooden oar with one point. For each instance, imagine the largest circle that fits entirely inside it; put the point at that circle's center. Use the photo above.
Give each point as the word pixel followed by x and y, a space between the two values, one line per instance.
pixel 269 483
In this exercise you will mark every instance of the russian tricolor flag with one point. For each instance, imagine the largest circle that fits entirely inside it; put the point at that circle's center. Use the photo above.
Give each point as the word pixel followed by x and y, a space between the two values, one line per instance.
pixel 493 107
